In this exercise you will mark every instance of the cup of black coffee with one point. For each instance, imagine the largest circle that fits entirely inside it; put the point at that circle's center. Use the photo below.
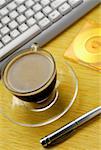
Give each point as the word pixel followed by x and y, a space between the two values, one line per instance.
pixel 31 75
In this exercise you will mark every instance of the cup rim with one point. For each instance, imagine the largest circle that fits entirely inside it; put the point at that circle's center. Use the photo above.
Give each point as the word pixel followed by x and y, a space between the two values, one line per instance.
pixel 43 87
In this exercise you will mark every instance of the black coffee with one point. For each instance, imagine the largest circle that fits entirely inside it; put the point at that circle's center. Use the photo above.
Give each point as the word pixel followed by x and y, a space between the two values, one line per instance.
pixel 28 74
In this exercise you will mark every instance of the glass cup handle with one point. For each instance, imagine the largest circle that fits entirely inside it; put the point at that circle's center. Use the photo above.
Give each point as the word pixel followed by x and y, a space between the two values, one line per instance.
pixel 35 47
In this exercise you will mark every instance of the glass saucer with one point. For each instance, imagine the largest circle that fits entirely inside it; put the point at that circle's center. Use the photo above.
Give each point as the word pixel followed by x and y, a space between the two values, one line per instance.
pixel 34 115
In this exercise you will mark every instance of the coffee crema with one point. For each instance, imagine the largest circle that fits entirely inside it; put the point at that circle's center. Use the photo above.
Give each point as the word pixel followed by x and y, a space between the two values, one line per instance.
pixel 31 75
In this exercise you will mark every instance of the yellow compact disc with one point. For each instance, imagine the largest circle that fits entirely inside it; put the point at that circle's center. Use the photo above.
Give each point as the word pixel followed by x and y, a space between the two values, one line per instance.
pixel 87 45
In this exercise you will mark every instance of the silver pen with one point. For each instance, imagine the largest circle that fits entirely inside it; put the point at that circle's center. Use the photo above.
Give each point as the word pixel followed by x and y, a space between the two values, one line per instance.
pixel 69 128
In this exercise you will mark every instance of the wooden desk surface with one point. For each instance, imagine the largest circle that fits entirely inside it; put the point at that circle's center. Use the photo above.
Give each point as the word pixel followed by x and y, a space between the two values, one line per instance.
pixel 15 137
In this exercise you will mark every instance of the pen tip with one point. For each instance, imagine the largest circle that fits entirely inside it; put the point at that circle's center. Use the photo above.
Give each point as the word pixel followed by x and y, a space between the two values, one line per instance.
pixel 43 142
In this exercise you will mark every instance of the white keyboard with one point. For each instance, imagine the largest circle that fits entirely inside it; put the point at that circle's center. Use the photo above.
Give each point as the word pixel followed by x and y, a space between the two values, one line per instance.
pixel 24 22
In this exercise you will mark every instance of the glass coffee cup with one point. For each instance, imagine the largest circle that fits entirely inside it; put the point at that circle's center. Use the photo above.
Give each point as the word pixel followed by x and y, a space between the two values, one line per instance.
pixel 31 76
pixel 37 88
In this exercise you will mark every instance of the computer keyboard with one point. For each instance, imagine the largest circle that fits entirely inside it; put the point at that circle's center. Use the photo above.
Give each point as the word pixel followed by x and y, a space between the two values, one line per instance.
pixel 24 22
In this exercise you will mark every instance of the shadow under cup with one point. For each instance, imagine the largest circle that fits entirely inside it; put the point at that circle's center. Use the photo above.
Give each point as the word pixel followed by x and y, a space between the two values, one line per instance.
pixel 31 76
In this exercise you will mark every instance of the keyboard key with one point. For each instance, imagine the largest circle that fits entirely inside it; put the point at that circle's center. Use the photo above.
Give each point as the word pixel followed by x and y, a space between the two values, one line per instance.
pixel 15 33
pixel 75 3
pixel 55 4
pixel 31 21
pixel 29 13
pixel 45 2
pixel 21 19
pixel 2 3
pixel 23 27
pixel 39 15
pixel 12 6
pixel 54 16
pixel 44 23
pixel 37 7
pixel 13 14
pixel 13 25
pixel 47 10
pixel 18 2
pixel 34 30
pixel 4 11
pixel 65 8
pixel 6 39
pixel 4 30
pixel 29 3
pixel 21 8
pixel 5 20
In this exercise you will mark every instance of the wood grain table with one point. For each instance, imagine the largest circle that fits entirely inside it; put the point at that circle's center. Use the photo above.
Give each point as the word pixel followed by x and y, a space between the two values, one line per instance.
pixel 88 137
